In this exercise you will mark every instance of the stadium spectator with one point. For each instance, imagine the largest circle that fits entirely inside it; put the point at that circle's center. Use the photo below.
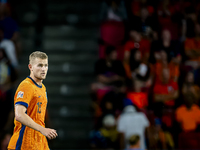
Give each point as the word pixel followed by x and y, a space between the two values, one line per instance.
pixel 171 47
pixel 113 10
pixel 163 63
pixel 9 48
pixel 109 71
pixel 131 122
pixel 137 42
pixel 113 17
pixel 10 27
pixel 188 115
pixel 107 137
pixel 136 69
pixel 164 95
pixel 165 12
pixel 192 48
pixel 137 96
pixel 158 65
pixel 190 86
pixel 159 138
pixel 7 79
pixel 166 91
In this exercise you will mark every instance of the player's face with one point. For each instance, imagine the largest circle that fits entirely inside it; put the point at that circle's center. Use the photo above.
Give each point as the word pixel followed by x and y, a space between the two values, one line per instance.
pixel 40 68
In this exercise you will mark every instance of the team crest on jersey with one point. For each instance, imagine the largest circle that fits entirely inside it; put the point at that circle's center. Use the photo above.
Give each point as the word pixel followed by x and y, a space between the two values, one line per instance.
pixel 20 94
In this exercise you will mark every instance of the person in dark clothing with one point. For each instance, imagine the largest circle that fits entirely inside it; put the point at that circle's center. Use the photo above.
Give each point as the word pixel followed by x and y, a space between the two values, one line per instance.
pixel 109 71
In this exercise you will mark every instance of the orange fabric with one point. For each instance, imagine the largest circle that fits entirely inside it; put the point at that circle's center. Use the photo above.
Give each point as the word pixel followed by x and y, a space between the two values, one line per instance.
pixel 162 136
pixel 189 119
pixel 192 44
pixel 36 99
pixel 139 99
pixel 165 89
pixel 158 68
pixel 143 46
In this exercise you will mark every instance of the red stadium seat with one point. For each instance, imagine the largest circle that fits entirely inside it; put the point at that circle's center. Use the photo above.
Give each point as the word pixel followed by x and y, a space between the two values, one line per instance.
pixel 112 33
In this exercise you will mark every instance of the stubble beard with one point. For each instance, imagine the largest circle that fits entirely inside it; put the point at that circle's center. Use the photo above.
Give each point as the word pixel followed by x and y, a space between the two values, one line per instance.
pixel 40 78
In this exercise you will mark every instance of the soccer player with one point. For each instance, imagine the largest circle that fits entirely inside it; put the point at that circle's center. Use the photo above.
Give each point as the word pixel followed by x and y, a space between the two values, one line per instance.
pixel 30 106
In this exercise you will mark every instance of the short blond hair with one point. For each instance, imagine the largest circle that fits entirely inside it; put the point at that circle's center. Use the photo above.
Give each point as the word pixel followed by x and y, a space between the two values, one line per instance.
pixel 37 54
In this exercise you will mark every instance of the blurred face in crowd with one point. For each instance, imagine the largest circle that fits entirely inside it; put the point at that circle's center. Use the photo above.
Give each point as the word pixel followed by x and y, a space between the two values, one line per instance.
pixel 136 36
pixel 166 35
pixel 163 55
pixel 190 77
pixel 113 55
pixel 166 75
pixel 144 13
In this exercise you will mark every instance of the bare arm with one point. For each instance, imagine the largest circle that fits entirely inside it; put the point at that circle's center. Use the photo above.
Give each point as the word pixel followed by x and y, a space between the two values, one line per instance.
pixel 103 79
pixel 126 57
pixel 163 98
pixel 23 118
pixel 192 53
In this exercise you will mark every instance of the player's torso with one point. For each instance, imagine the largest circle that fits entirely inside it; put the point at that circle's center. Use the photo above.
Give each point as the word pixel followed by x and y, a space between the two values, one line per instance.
pixel 37 107
pixel 24 137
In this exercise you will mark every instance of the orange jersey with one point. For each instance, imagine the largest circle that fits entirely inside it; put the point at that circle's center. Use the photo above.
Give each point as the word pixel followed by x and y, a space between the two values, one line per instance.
pixel 34 98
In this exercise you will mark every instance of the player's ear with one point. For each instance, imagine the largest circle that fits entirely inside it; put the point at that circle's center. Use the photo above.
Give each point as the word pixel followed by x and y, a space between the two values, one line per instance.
pixel 30 67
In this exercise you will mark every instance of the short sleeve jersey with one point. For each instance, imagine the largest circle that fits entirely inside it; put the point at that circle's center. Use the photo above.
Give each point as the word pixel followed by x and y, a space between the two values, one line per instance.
pixel 34 98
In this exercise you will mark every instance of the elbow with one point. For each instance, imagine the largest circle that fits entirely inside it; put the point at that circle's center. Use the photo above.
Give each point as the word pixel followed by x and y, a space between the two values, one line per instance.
pixel 18 117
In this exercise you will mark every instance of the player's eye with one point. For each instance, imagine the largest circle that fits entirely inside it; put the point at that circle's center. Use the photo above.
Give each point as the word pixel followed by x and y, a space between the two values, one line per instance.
pixel 40 65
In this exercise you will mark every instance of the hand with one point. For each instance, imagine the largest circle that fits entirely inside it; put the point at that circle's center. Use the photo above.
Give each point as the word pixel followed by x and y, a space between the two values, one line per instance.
pixel 49 133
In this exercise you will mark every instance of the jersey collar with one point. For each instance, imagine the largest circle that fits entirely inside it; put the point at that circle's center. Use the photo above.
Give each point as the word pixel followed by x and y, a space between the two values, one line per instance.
pixel 40 86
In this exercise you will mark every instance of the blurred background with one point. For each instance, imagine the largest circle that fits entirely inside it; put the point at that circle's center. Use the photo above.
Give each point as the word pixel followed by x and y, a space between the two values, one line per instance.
pixel 123 74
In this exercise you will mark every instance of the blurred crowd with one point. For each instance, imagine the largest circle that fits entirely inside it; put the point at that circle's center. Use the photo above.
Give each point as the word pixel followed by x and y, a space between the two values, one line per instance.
pixel 9 53
pixel 146 93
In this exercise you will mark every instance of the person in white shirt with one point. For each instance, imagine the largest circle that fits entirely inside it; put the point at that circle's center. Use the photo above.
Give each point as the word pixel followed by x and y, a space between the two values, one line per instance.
pixel 9 48
pixel 131 122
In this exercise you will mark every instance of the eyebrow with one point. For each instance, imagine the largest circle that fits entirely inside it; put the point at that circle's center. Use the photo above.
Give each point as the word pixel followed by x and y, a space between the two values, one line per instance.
pixel 43 64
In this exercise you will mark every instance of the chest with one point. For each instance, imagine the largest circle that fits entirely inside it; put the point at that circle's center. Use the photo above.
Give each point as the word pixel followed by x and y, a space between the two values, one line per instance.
pixel 39 101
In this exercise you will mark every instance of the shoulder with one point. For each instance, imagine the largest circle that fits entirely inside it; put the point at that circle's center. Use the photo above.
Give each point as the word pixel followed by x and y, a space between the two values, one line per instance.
pixel 6 41
pixel 195 107
pixel 43 86
pixel 180 109
pixel 142 115
pixel 26 83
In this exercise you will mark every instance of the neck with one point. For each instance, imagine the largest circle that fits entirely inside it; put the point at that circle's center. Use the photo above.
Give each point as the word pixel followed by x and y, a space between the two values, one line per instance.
pixel 38 81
